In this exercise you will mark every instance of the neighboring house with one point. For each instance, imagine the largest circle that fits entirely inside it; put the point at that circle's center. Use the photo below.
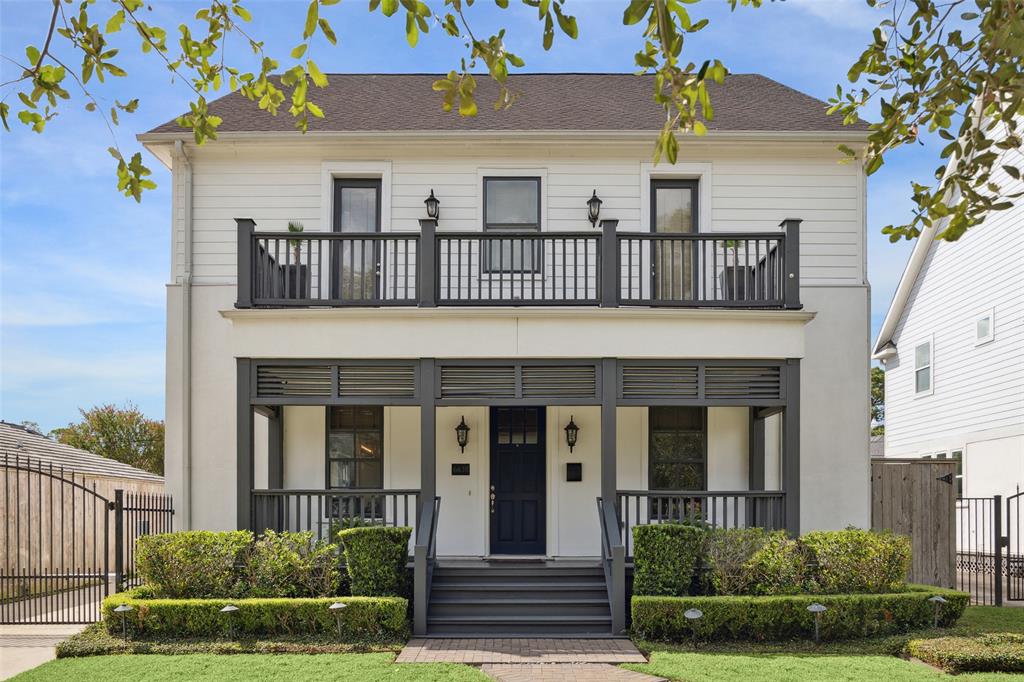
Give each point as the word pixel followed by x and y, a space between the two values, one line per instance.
pixel 953 348
pixel 876 446
pixel 552 377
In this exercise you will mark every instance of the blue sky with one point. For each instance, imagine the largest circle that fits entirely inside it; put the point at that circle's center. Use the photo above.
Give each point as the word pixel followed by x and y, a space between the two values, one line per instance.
pixel 83 270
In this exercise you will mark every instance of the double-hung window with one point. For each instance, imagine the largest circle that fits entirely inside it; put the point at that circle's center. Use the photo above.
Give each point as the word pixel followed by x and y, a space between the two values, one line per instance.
pixel 512 204
pixel 983 328
pixel 923 368
pixel 355 451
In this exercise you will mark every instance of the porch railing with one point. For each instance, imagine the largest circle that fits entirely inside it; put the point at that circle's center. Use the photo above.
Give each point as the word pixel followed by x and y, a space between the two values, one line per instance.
pixel 613 561
pixel 606 268
pixel 424 560
pixel 727 509
pixel 326 511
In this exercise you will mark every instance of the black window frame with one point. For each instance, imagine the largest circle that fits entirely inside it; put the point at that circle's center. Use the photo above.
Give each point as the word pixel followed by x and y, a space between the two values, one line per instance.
pixel 693 185
pixel 355 460
pixel 337 282
pixel 486 259
pixel 703 431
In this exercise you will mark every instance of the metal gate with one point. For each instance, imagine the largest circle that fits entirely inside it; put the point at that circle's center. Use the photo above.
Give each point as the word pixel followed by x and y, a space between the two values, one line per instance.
pixel 1014 541
pixel 65 546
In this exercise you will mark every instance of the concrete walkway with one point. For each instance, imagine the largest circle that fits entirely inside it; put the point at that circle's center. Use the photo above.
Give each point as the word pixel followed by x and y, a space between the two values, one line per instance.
pixel 520 651
pixel 23 647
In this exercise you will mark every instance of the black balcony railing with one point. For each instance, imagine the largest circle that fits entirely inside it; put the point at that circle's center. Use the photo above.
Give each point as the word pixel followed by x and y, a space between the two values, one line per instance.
pixel 606 268
pixel 324 512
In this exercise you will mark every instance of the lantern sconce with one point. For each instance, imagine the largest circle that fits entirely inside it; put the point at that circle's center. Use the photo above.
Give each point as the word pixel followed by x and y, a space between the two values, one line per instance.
pixel 433 205
pixel 572 432
pixel 594 208
pixel 462 434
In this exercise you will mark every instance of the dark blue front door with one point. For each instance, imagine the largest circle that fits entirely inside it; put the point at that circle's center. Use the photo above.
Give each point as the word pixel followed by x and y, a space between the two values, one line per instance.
pixel 517 489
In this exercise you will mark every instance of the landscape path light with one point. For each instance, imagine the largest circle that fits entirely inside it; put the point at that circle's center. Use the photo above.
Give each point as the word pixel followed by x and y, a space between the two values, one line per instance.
pixel 817 609
pixel 337 608
pixel 938 600
pixel 123 609
pixel 230 609
pixel 693 615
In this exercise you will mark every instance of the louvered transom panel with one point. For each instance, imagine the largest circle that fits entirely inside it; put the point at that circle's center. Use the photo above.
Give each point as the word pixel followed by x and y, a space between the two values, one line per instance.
pixel 392 381
pixel 743 382
pixel 660 381
pixel 478 381
pixel 293 380
pixel 553 381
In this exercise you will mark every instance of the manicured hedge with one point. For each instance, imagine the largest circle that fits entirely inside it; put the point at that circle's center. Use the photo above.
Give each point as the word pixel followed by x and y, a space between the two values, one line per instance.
pixel 997 653
pixel 364 618
pixel 854 561
pixel 776 618
pixel 192 564
pixel 664 556
pixel 376 558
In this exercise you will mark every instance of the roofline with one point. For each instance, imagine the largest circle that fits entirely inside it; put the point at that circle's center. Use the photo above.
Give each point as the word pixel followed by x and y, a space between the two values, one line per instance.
pixel 627 135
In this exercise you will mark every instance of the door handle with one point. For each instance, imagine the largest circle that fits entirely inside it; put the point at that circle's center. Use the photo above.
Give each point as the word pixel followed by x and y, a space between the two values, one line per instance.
pixel 492 499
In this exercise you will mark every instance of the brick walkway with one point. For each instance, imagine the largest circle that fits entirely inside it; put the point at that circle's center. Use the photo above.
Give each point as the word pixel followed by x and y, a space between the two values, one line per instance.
pixel 564 672
pixel 520 651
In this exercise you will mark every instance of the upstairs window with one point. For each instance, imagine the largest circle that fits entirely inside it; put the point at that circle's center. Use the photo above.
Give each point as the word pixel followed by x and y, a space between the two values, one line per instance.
pixel 512 204
pixel 984 328
pixel 923 368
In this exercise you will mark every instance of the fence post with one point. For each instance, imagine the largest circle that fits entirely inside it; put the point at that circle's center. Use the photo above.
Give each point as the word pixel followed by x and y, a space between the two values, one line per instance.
pixel 997 526
pixel 609 293
pixel 428 263
pixel 119 539
pixel 791 261
pixel 246 227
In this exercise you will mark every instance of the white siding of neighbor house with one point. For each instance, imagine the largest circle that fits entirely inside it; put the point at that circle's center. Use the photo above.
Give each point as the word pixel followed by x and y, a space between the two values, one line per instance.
pixel 978 390
pixel 753 188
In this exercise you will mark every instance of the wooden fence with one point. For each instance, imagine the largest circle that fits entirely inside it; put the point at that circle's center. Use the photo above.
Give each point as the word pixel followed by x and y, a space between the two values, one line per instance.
pixel 917 497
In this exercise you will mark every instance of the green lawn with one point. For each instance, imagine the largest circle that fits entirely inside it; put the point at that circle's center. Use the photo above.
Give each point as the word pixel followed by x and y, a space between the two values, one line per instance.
pixel 248 667
pixel 797 668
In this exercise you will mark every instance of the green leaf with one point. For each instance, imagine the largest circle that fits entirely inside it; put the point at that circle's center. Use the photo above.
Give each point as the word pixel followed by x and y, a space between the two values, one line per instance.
pixel 319 79
pixel 242 13
pixel 567 23
pixel 33 55
pixel 115 21
pixel 389 7
pixel 467 106
pixel 298 51
pixel 311 16
pixel 699 128
pixel 314 109
pixel 5 109
pixel 636 11
pixel 327 31
pixel 412 32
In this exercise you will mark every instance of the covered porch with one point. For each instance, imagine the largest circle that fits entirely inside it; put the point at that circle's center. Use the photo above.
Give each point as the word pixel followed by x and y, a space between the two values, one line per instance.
pixel 327 444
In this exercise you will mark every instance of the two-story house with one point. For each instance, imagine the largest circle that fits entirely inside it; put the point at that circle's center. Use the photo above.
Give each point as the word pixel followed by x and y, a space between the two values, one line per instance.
pixel 516 333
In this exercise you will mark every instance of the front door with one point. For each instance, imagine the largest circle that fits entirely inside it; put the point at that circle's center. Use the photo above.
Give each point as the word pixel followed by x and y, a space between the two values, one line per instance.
pixel 356 270
pixel 517 491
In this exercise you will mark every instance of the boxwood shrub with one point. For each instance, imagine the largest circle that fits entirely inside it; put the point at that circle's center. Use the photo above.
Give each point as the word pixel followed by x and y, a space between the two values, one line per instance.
pixel 192 564
pixel 364 619
pixel 779 566
pixel 664 557
pixel 777 618
pixel 376 557
pixel 855 560
pixel 996 653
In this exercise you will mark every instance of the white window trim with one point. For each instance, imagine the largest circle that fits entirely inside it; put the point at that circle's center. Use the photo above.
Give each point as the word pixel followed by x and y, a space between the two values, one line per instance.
pixel 701 172
pixel 512 172
pixel 329 170
pixel 930 340
pixel 991 315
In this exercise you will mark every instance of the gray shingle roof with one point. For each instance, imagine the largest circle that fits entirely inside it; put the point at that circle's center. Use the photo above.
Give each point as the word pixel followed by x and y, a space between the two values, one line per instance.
pixel 551 101
pixel 18 441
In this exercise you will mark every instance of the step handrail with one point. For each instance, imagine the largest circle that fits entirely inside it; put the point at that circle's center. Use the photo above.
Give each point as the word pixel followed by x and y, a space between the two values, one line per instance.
pixel 424 559
pixel 613 561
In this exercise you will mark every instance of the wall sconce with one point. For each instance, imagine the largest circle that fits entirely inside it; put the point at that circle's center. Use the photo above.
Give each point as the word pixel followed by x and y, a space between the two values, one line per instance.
pixel 462 434
pixel 594 208
pixel 572 432
pixel 433 205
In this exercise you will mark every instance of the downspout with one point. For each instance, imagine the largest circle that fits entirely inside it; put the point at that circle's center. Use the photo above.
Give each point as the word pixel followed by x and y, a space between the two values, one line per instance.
pixel 186 341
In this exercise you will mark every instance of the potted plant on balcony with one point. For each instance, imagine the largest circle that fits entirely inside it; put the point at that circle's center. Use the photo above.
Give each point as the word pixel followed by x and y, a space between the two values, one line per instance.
pixel 296 273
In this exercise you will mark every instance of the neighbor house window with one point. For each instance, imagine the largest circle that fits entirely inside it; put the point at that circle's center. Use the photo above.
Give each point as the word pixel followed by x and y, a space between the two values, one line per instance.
pixel 923 368
pixel 355 447
pixel 512 204
pixel 677 448
pixel 984 328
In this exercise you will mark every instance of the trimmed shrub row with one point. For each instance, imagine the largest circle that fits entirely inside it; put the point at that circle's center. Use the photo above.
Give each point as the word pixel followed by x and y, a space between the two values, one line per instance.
pixel 364 618
pixel 996 653
pixel 752 561
pixel 235 564
pixel 777 618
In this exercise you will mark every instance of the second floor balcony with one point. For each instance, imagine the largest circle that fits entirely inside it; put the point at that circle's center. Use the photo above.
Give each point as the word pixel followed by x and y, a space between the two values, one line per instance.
pixel 604 268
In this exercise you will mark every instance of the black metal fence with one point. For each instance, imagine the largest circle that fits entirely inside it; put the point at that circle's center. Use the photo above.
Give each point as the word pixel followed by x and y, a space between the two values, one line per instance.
pixel 66 545
pixel 989 550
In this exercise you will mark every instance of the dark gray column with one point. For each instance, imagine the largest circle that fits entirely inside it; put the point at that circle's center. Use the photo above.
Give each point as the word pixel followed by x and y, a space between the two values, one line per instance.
pixel 609 264
pixel 609 395
pixel 791 274
pixel 246 226
pixel 791 447
pixel 756 440
pixel 428 264
pixel 428 431
pixel 275 449
pixel 243 444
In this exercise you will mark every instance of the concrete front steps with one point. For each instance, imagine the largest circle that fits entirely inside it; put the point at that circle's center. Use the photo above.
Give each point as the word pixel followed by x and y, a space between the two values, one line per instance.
pixel 543 599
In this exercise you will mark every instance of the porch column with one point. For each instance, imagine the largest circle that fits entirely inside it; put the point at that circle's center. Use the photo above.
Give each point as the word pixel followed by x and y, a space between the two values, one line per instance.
pixel 244 445
pixel 275 448
pixel 428 490
pixel 609 395
pixel 791 447
pixel 756 456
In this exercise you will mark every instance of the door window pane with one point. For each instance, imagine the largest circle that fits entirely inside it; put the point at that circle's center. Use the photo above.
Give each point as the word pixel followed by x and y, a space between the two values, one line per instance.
pixel 355 450
pixel 673 208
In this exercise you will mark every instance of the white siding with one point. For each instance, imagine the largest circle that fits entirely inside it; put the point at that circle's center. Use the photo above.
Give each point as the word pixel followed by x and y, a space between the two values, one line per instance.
pixel 977 388
pixel 753 189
